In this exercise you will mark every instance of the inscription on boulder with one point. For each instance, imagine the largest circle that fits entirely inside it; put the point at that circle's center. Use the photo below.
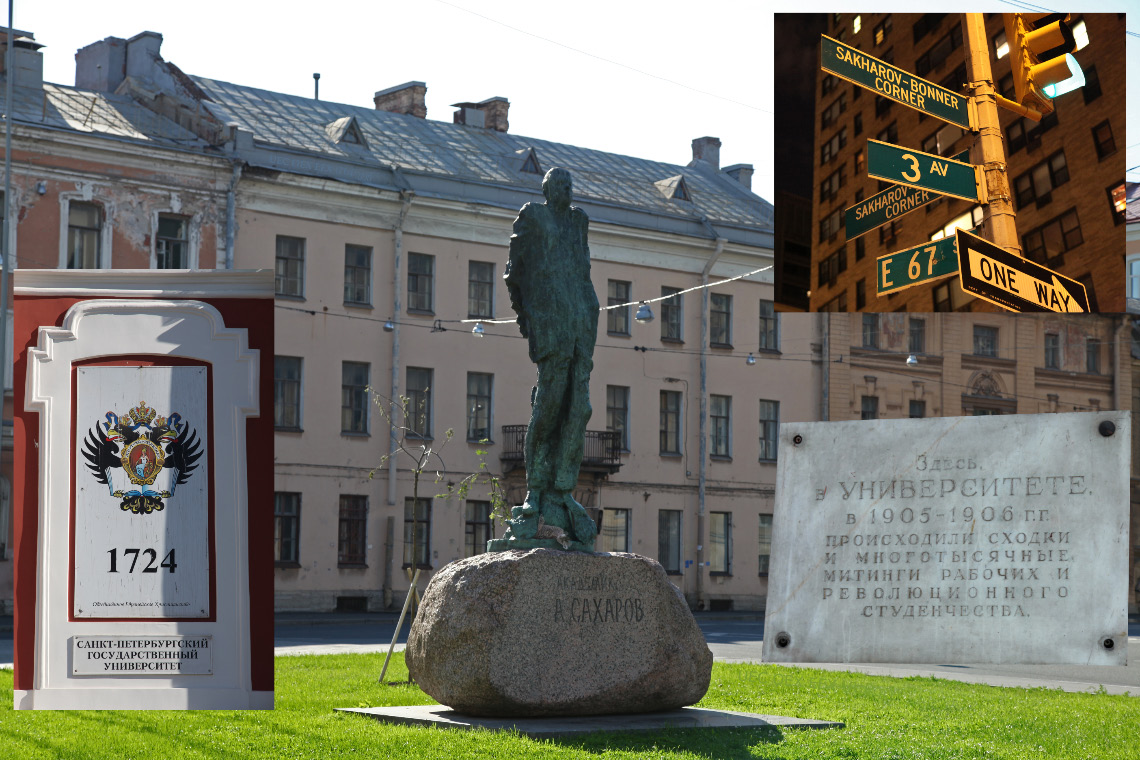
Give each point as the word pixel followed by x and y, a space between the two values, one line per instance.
pixel 546 632
pixel 982 540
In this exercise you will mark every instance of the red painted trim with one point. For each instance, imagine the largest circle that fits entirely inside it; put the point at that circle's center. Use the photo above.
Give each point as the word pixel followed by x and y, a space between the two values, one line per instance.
pixel 146 360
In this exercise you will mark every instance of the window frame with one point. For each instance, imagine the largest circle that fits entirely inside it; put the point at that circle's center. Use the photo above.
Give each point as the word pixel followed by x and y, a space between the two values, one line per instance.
pixel 618 318
pixel 290 257
pixel 418 415
pixel 720 426
pixel 100 238
pixel 281 517
pixel 723 565
pixel 617 415
pixel 769 430
pixel 415 522
pixel 608 540
pixel 421 284
pixel 672 315
pixel 280 385
pixel 353 513
pixel 474 523
pixel 480 292
pixel 354 399
pixel 764 540
pixel 186 240
pixel 669 555
pixel 354 272
pixel 473 405
pixel 667 445
pixel 724 330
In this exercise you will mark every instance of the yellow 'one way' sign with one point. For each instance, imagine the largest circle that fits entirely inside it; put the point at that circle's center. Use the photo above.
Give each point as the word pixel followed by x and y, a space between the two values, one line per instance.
pixel 1018 284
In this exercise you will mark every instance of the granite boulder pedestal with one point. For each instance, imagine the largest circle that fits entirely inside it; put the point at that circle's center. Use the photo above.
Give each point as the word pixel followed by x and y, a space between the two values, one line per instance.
pixel 554 633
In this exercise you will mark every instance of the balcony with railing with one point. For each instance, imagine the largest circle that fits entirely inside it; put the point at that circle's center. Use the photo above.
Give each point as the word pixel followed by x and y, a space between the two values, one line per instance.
pixel 602 451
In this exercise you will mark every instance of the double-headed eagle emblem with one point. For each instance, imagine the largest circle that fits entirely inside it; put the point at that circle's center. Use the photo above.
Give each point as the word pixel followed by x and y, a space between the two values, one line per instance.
pixel 143 445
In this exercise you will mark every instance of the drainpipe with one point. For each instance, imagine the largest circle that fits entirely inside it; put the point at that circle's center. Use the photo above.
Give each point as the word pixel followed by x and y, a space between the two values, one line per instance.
pixel 406 197
pixel 1125 324
pixel 825 413
pixel 704 443
pixel 231 213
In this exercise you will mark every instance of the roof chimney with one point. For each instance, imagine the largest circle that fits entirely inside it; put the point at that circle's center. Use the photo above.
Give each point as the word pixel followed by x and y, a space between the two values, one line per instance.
pixel 490 114
pixel 27 63
pixel 102 65
pixel 707 149
pixel 742 173
pixel 407 98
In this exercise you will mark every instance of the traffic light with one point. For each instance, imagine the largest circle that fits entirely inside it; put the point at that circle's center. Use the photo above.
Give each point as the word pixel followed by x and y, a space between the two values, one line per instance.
pixel 1039 53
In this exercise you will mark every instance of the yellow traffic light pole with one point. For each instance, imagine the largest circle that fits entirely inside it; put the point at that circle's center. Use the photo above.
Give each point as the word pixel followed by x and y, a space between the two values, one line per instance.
pixel 989 150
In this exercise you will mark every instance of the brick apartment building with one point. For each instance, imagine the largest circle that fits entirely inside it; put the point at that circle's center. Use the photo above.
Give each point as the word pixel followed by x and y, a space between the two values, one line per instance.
pixel 1066 172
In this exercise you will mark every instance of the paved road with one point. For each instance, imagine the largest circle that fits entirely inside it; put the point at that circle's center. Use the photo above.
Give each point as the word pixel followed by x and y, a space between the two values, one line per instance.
pixel 732 638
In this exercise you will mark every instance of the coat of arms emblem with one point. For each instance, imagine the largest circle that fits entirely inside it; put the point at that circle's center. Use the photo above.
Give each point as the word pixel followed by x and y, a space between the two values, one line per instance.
pixel 144 445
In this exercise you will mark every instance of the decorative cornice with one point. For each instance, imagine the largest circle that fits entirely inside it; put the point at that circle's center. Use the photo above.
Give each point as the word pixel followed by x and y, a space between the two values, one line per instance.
pixel 148 283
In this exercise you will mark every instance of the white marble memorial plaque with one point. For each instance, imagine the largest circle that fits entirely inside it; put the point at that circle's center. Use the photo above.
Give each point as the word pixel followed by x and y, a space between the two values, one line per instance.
pixel 952 540
pixel 143 655
pixel 141 493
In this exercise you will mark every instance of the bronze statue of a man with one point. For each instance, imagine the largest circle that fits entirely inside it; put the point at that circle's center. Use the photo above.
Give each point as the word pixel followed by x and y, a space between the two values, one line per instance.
pixel 548 278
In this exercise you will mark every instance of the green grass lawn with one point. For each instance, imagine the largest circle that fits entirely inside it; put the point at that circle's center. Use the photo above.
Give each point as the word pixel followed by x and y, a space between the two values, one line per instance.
pixel 885 717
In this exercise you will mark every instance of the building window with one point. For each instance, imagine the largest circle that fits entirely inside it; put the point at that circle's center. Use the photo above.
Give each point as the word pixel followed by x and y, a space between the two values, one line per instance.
pixel 614 535
pixel 720 320
pixel 479 386
pixel 1091 90
pixel 871 330
pixel 917 409
pixel 1055 237
pixel 830 187
pixel 1036 185
pixel 869 408
pixel 1052 351
pixel 478 528
pixel 354 397
pixel 769 327
pixel 860 295
pixel 889 232
pixel 286 528
pixel 480 289
pixel 881 30
pixel 671 315
pixel 353 534
pixel 831 114
pixel 617 413
pixel 764 543
pixel 1000 45
pixel 287 392
pixel 358 274
pixel 421 276
pixel 830 225
pixel 839 303
pixel 84 229
pixel 172 243
pixel 858 124
pixel 670 422
pixel 1102 136
pixel 769 429
pixel 827 86
pixel 1092 356
pixel 831 148
pixel 289 268
pixel 890 133
pixel 1134 277
pixel 419 381
pixel 720 543
pixel 985 340
pixel 916 336
pixel 860 162
pixel 860 245
pixel 1025 133
pixel 669 540
pixel 1117 201
pixel 617 318
pixel 720 433
pixel 417 532
pixel 939 51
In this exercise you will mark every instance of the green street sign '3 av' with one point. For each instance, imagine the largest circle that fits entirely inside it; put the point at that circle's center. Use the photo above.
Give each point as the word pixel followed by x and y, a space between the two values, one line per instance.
pixel 892 82
pixel 888 205
pixel 929 261
pixel 925 171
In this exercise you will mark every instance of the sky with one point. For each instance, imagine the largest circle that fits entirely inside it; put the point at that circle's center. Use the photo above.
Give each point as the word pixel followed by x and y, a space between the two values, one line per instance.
pixel 634 78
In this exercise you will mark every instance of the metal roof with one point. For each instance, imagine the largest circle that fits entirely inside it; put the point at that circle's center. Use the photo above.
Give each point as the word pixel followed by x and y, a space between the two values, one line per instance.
pixel 426 152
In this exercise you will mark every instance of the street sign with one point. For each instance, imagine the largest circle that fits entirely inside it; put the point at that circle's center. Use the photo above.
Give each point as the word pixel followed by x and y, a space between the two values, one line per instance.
pixel 888 205
pixel 925 171
pixel 929 261
pixel 1018 284
pixel 892 82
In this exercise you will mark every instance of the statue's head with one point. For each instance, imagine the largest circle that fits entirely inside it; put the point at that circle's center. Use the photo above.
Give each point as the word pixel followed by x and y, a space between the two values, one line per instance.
pixel 556 186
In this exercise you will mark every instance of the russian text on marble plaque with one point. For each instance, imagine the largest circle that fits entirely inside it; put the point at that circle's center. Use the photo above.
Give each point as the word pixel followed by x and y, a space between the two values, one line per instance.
pixel 145 655
pixel 996 539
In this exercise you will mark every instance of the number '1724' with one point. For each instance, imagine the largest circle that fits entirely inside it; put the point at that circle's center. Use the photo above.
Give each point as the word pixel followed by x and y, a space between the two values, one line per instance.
pixel 133 555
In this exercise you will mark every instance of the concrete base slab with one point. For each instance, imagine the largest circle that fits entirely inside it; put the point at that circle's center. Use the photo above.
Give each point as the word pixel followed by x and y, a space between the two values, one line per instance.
pixel 685 717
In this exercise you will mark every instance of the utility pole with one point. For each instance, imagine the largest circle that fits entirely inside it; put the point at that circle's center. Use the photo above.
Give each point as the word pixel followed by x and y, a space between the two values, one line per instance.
pixel 989 150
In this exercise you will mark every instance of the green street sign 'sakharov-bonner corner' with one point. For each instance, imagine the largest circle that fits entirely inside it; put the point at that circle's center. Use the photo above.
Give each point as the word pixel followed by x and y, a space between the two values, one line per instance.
pixel 892 82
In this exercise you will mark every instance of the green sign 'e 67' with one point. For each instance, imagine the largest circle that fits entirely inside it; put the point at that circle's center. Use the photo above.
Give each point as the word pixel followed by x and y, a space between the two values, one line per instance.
pixel 927 261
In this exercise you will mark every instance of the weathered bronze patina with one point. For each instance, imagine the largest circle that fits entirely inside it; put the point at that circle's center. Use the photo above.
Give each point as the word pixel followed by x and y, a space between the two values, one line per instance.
pixel 548 278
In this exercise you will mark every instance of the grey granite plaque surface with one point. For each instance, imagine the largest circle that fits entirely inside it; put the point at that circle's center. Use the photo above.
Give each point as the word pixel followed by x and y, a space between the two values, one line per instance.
pixel 952 540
